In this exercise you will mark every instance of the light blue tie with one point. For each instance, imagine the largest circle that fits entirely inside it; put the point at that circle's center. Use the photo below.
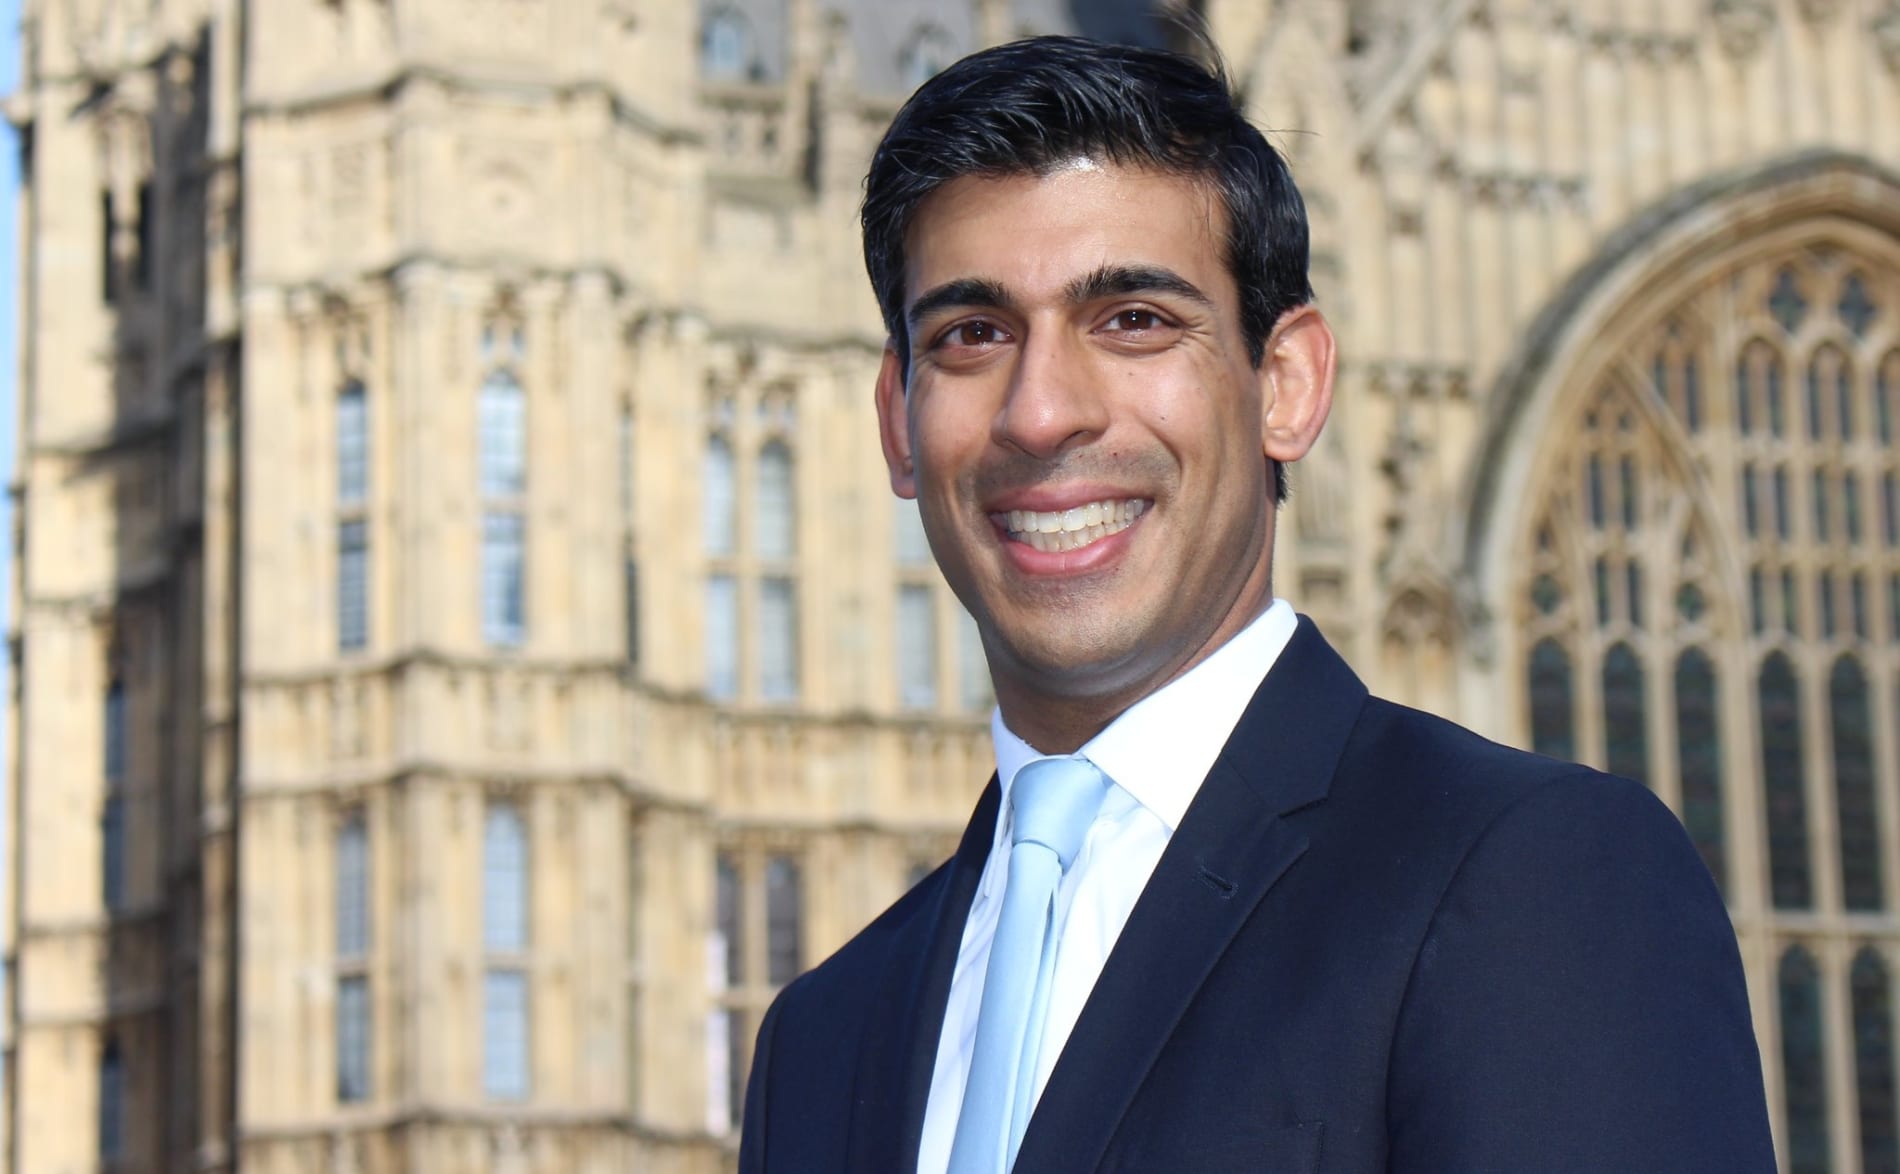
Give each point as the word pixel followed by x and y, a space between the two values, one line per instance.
pixel 1055 801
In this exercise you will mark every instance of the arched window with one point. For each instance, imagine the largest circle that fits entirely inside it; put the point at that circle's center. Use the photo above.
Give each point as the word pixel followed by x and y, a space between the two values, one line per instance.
pixel 1625 716
pixel 776 536
pixel 725 46
pixel 1850 718
pixel 1873 1064
pixel 1803 1064
pixel 352 960
pixel 352 523
pixel 112 1106
pixel 1699 759
pixel 1553 713
pixel 352 443
pixel 1779 719
pixel 719 526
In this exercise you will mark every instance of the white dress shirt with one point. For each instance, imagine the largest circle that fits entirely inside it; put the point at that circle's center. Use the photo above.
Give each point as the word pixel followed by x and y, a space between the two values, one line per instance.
pixel 1155 756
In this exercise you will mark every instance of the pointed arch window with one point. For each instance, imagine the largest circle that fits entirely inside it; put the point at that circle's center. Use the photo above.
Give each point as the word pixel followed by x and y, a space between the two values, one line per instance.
pixel 1803 1064
pixel 1779 719
pixel 352 959
pixel 1699 760
pixel 1553 710
pixel 719 498
pixel 1625 714
pixel 1871 994
pixel 1851 720
pixel 505 929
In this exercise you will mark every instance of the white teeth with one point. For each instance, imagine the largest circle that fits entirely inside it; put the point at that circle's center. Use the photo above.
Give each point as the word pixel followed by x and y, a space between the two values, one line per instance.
pixel 1072 529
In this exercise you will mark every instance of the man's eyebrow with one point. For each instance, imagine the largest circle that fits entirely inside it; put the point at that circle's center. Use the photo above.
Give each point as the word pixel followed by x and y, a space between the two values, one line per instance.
pixel 1116 280
pixel 963 292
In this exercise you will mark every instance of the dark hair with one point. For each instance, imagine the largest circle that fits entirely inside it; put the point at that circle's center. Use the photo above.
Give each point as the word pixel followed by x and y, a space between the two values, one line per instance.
pixel 1032 106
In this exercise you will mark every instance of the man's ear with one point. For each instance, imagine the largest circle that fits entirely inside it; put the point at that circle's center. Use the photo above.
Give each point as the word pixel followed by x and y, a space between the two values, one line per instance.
pixel 893 423
pixel 1296 378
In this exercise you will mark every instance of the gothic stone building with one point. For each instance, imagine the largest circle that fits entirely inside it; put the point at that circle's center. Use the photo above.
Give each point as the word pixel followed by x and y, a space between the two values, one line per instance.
pixel 466 655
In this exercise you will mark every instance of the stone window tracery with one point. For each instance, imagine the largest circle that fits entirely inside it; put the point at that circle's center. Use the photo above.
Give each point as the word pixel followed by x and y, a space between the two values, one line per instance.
pixel 1709 600
pixel 502 418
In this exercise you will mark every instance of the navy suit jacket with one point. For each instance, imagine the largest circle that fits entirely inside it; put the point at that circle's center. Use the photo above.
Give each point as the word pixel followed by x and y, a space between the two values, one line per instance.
pixel 1376 942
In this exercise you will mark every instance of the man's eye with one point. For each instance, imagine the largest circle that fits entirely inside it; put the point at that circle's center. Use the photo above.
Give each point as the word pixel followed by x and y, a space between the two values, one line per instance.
pixel 973 334
pixel 1135 320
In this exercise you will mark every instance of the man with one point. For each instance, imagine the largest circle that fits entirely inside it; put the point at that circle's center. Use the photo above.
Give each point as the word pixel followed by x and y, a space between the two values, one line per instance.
pixel 1282 926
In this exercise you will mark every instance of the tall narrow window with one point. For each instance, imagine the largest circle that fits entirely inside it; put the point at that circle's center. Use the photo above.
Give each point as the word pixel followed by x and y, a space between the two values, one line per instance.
pixel 973 667
pixel 352 958
pixel 784 920
pixel 1803 1066
pixel 112 818
pixel 1779 718
pixel 145 235
pixel 778 640
pixel 503 460
pixel 916 646
pixel 1850 717
pixel 775 535
pixel 112 1106
pixel 352 532
pixel 722 638
pixel 505 1017
pixel 108 258
pixel 719 500
pixel 1699 758
pixel 1553 713
pixel 1873 1064
pixel 1625 732
pixel 725 1037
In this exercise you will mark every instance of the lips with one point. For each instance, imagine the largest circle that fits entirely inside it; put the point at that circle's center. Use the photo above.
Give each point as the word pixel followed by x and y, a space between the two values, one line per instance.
pixel 1058 531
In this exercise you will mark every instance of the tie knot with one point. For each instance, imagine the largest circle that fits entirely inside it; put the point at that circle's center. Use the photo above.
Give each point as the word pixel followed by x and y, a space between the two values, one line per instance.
pixel 1055 801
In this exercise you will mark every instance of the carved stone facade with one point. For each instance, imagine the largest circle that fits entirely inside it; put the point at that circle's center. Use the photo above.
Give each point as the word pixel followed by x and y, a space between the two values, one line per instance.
pixel 466 653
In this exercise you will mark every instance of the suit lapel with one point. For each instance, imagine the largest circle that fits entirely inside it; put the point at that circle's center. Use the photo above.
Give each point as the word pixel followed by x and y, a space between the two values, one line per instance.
pixel 899 1052
pixel 1231 847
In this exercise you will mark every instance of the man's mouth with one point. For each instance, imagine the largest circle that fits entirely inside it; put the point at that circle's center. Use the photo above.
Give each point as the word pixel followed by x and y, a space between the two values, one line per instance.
pixel 1071 529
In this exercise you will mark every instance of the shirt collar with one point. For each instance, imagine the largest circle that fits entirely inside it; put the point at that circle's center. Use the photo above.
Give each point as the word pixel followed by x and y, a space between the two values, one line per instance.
pixel 1161 748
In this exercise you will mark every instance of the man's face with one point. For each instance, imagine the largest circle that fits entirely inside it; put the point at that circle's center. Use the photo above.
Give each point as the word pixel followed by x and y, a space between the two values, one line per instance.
pixel 1083 430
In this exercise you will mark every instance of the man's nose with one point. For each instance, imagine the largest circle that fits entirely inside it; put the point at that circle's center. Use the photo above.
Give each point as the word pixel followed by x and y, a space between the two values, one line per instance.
pixel 1054 401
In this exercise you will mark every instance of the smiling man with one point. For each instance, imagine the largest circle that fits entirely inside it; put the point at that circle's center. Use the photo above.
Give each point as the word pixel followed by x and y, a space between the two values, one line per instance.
pixel 1218 909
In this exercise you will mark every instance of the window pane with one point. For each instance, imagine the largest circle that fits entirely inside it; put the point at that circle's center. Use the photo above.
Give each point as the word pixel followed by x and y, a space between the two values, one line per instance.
pixel 784 918
pixel 352 889
pixel 720 500
pixel 112 851
pixel 916 647
pixel 505 1035
pixel 503 412
pixel 778 640
pixel 115 732
pixel 973 667
pixel 725 47
pixel 913 547
pixel 504 880
pixel 1822 531
pixel 1850 715
pixel 729 939
pixel 352 585
pixel 722 637
pixel 503 565
pixel 1699 755
pixel 352 1038
pixel 352 444
pixel 1626 737
pixel 1873 1064
pixel 1780 724
pixel 1803 1068
pixel 111 1104
pixel 777 514
pixel 1552 711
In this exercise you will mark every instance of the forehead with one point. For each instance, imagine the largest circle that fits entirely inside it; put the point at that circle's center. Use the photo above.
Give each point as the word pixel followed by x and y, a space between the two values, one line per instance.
pixel 1033 234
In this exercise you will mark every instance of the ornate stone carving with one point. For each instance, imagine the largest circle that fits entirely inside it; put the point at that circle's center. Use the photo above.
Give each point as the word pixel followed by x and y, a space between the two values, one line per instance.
pixel 1742 25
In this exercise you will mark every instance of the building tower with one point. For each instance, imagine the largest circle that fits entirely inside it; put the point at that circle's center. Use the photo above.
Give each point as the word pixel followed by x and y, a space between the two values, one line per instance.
pixel 466 655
